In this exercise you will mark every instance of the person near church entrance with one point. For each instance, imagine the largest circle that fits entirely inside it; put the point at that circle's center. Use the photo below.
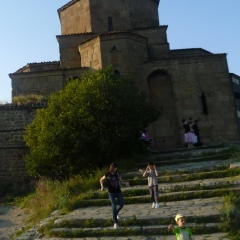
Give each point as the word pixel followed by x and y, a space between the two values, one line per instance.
pixel 189 133
pixel 114 180
pixel 145 136
pixel 148 139
pixel 196 133
pixel 142 135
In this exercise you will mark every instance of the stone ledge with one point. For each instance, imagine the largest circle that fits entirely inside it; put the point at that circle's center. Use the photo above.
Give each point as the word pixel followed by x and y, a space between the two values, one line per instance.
pixel 235 165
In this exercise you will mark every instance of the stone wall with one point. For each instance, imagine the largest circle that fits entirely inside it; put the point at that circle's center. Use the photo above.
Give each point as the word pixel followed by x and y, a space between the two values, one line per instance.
pixel 190 78
pixel 13 121
pixel 103 15
pixel 42 83
pixel 68 48
pixel 124 51
pixel 158 45
pixel 75 17
pixel 36 83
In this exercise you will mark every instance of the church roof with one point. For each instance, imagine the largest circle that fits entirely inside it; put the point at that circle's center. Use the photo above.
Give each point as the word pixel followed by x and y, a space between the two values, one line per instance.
pixel 113 33
pixel 41 67
pixel 187 54
pixel 235 75
pixel 119 31
pixel 192 52
pixel 187 51
pixel 76 34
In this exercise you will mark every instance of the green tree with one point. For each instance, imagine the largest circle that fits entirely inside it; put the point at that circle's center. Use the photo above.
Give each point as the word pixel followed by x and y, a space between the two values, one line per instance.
pixel 93 120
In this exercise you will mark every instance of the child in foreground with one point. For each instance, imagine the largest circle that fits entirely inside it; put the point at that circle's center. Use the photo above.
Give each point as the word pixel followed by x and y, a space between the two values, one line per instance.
pixel 182 232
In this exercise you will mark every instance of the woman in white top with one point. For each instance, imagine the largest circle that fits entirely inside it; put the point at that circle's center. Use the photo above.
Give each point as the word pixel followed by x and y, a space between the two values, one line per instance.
pixel 152 174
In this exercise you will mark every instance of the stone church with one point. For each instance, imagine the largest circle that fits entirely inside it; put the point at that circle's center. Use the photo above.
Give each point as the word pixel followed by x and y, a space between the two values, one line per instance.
pixel 127 34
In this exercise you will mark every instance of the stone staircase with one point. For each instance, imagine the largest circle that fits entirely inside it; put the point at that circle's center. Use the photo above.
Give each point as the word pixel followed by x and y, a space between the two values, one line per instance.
pixel 192 182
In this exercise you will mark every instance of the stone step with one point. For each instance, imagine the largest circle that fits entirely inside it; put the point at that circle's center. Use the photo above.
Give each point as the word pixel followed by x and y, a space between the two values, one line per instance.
pixel 203 184
pixel 181 168
pixel 212 236
pixel 183 177
pixel 181 195
pixel 141 190
pixel 195 210
pixel 184 149
pixel 189 153
pixel 172 196
pixel 163 162
pixel 180 192
pixel 78 222
pixel 167 191
pixel 130 230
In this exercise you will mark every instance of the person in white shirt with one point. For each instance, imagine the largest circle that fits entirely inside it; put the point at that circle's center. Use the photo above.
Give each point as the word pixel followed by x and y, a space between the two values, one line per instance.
pixel 151 173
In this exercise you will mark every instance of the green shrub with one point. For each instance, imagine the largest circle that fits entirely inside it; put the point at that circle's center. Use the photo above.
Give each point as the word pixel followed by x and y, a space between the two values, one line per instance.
pixel 92 121
pixel 231 215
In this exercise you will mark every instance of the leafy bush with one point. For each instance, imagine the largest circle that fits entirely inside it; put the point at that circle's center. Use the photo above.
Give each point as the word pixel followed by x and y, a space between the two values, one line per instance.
pixel 231 217
pixel 92 121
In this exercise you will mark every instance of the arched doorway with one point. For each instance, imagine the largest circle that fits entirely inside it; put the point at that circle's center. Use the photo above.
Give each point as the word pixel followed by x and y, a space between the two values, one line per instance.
pixel 165 129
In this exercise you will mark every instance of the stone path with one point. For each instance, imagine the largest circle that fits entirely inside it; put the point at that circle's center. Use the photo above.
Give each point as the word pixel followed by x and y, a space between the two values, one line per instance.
pixel 215 236
pixel 201 207
pixel 12 219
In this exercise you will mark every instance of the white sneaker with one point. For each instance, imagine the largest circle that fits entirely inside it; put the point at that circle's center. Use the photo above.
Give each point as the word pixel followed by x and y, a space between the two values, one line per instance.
pixel 115 226
pixel 153 205
pixel 157 205
pixel 118 217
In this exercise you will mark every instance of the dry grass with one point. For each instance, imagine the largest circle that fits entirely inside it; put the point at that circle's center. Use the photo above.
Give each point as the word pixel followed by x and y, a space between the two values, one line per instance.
pixel 51 195
pixel 22 99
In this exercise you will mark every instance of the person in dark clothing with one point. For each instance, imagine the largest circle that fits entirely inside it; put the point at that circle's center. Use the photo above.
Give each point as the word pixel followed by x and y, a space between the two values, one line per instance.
pixel 185 127
pixel 114 191
pixel 196 132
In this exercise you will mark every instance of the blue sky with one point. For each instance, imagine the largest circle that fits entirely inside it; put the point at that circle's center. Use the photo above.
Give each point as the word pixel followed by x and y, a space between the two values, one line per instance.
pixel 29 29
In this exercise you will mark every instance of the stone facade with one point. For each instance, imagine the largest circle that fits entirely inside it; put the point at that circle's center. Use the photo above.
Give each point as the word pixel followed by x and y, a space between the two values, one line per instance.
pixel 13 121
pixel 81 16
pixel 41 80
pixel 181 84
pixel 235 79
pixel 126 34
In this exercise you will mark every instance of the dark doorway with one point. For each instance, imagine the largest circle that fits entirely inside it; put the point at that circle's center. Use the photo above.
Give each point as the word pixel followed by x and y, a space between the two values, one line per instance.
pixel 161 95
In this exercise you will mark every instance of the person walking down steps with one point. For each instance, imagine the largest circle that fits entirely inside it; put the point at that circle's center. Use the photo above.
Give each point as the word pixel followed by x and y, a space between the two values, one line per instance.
pixel 151 173
pixel 114 180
